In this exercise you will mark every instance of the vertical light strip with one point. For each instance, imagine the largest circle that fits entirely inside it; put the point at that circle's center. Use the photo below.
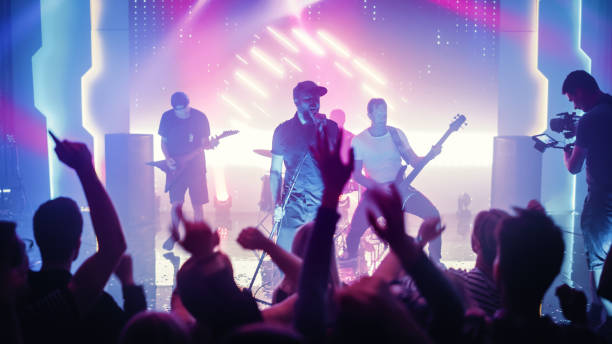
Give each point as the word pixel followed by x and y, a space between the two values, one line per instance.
pixel 87 80
pixel 541 82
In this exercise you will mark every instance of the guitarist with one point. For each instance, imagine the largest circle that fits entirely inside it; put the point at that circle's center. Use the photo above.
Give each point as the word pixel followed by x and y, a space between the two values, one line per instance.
pixel 380 150
pixel 185 130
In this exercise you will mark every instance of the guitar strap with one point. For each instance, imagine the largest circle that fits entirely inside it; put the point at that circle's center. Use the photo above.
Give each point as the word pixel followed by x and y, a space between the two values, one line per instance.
pixel 398 143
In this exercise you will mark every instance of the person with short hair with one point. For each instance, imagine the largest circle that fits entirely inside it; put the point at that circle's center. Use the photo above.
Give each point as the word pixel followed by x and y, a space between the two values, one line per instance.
pixel 593 145
pixel 184 133
pixel 302 188
pixel 380 150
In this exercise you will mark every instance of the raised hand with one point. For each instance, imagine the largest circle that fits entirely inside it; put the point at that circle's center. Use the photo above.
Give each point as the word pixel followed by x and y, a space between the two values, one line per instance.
pixel 391 229
pixel 125 270
pixel 537 206
pixel 573 303
pixel 74 154
pixel 251 239
pixel 430 229
pixel 334 172
pixel 199 238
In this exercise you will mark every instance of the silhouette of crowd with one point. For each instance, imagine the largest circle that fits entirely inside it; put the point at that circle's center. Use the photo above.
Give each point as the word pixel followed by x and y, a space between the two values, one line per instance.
pixel 408 299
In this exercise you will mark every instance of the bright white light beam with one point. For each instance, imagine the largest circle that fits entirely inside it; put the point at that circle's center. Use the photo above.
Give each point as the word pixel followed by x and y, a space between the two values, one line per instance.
pixel 369 71
pixel 334 43
pixel 241 59
pixel 246 80
pixel 289 62
pixel 343 69
pixel 308 41
pixel 235 106
pixel 268 62
pixel 286 42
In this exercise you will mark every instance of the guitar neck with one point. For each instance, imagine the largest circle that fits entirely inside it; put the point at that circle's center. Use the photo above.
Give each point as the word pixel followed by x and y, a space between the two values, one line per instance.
pixel 417 169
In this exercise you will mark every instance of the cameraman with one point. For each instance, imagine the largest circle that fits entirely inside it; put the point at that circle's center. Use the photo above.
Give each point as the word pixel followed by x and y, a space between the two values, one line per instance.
pixel 593 143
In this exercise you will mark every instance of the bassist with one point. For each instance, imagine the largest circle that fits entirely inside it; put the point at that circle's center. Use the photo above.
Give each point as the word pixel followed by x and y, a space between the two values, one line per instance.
pixel 380 150
pixel 185 131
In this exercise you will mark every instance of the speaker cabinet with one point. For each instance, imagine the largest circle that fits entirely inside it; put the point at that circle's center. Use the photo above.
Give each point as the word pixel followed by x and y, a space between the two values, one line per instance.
pixel 129 180
pixel 517 172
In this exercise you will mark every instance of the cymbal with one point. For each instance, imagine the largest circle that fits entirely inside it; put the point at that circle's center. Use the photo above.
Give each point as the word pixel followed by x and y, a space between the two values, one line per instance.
pixel 263 152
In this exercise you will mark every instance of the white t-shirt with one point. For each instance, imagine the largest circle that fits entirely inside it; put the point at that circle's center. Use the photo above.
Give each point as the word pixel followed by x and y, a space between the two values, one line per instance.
pixel 380 157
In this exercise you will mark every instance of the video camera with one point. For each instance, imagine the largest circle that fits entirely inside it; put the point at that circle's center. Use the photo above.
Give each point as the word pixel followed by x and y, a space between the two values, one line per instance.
pixel 564 123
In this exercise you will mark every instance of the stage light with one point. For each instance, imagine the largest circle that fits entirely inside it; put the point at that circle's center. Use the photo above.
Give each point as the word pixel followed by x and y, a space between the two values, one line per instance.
pixel 343 69
pixel 268 62
pixel 246 80
pixel 261 109
pixel 334 43
pixel 241 59
pixel 309 42
pixel 283 40
pixel 236 107
pixel 289 62
pixel 369 71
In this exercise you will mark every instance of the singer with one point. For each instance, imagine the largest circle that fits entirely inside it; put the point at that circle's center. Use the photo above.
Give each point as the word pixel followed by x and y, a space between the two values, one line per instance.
pixel 302 187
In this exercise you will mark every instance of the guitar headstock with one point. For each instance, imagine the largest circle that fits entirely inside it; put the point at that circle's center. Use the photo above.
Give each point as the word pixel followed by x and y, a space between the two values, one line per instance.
pixel 458 121
pixel 227 133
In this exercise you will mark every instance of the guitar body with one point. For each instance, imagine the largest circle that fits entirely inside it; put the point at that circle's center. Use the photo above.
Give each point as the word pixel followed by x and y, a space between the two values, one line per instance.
pixel 182 162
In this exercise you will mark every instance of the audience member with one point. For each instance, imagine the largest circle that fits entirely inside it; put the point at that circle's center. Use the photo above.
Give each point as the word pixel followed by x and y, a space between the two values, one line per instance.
pixel 478 284
pixel 55 317
pixel 58 226
pixel 155 328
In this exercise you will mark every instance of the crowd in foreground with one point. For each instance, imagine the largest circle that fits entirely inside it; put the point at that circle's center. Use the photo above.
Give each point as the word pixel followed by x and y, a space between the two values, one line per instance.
pixel 408 299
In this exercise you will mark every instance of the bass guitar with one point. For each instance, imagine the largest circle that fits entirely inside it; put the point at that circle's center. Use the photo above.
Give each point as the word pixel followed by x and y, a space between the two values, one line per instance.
pixel 182 162
pixel 403 182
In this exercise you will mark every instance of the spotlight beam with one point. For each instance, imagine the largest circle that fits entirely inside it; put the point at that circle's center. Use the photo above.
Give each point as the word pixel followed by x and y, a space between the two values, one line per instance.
pixel 286 42
pixel 308 41
pixel 246 80
pixel 369 71
pixel 268 62
pixel 334 44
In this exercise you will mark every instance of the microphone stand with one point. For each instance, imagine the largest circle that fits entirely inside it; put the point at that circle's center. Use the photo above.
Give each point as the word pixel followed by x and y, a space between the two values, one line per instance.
pixel 276 226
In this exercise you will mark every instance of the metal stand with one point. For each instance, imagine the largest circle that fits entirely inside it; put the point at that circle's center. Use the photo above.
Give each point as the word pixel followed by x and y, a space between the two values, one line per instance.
pixel 276 226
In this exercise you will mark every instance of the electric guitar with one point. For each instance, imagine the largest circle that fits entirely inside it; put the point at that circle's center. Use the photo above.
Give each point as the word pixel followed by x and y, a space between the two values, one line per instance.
pixel 172 175
pixel 402 182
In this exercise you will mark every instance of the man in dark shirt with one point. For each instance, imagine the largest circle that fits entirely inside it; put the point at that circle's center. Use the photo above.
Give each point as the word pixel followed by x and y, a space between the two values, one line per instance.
pixel 303 187
pixel 593 145
pixel 185 132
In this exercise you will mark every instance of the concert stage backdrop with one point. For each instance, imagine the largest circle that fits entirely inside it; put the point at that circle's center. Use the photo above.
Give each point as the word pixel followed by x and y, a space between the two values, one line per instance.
pixel 239 60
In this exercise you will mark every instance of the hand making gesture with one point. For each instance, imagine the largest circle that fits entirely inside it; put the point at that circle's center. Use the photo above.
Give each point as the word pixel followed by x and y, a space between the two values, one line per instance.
pixel 334 172
pixel 199 238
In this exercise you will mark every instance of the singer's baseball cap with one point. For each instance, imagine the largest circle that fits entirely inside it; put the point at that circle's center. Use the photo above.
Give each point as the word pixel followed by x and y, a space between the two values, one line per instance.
pixel 179 100
pixel 309 87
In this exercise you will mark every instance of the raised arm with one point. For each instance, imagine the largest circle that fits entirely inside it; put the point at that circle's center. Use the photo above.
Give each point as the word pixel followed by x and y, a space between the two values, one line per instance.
pixel 441 297
pixel 311 315
pixel 91 277
pixel 251 239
